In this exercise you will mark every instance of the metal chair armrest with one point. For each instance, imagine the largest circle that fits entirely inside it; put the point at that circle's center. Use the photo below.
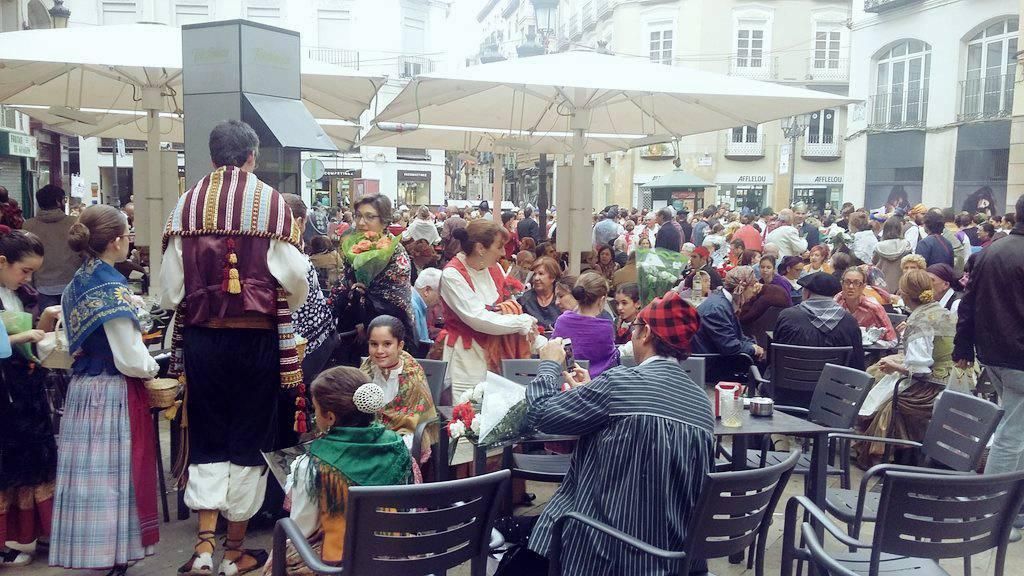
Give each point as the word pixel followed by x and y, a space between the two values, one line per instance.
pixel 794 410
pixel 819 515
pixel 556 542
pixel 755 373
pixel 417 440
pixel 286 529
pixel 892 441
pixel 818 555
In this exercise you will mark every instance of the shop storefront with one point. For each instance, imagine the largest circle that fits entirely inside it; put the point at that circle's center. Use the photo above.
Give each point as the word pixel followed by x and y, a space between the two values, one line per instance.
pixel 816 191
pixel 745 192
pixel 15 148
pixel 336 186
pixel 413 188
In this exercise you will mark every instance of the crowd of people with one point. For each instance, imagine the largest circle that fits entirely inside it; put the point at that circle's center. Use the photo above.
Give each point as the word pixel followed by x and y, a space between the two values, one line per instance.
pixel 296 323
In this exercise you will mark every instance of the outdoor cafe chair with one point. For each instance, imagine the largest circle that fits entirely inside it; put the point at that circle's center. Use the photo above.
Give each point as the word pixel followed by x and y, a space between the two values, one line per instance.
pixel 733 512
pixel 955 439
pixel 925 516
pixel 719 367
pixel 795 371
pixel 835 403
pixel 414 529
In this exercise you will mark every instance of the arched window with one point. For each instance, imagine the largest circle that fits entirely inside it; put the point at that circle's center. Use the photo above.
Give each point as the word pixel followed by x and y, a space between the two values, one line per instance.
pixel 991 61
pixel 901 86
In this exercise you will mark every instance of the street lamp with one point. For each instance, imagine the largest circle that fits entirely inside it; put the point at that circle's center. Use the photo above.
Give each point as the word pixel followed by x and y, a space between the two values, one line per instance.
pixel 59 14
pixel 793 131
pixel 545 11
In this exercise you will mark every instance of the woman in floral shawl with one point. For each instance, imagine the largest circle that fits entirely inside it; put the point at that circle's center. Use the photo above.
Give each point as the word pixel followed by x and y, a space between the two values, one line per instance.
pixel 406 394
pixel 922 371
pixel 354 450
pixel 376 275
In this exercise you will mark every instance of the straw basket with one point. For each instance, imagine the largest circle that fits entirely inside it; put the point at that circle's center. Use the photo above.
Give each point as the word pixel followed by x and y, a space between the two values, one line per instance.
pixel 162 392
pixel 300 347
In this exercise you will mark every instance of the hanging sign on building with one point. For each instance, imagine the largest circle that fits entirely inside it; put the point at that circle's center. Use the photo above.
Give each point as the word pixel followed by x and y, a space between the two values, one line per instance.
pixel 17 144
pixel 413 176
pixel 821 180
pixel 753 179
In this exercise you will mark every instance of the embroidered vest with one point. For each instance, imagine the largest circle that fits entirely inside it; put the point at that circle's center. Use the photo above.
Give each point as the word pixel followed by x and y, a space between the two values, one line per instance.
pixel 205 260
pixel 453 325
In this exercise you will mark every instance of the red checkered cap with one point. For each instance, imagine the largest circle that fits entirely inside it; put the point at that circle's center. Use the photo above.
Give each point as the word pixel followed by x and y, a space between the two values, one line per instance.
pixel 672 319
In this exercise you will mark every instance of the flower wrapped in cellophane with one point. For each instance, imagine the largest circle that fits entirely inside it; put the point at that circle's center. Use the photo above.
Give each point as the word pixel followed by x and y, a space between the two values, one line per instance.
pixel 658 271
pixel 492 412
pixel 368 253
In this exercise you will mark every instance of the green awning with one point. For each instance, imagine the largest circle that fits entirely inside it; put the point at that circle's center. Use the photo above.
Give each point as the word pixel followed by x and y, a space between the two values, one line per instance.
pixel 675 180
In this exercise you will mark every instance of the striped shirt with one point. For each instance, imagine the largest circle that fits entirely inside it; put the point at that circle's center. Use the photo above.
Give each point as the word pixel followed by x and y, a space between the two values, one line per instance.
pixel 646 443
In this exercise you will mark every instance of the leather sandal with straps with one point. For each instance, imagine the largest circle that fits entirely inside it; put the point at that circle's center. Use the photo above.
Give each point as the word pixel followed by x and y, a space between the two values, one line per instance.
pixel 233 567
pixel 201 563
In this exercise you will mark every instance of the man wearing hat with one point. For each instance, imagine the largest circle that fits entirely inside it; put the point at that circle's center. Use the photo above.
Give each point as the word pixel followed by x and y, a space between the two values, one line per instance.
pixel 646 443
pixel 820 322
pixel 915 231
pixel 700 261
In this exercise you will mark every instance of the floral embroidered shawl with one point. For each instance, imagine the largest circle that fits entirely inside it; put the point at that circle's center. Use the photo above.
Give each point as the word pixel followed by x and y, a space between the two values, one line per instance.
pixel 413 403
pixel 97 293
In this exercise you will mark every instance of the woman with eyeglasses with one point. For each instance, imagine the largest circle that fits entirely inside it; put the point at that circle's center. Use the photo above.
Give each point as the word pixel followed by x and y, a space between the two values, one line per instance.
pixel 356 303
pixel 867 311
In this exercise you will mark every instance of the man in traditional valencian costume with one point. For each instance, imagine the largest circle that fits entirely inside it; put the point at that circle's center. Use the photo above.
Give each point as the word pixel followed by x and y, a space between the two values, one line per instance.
pixel 233 271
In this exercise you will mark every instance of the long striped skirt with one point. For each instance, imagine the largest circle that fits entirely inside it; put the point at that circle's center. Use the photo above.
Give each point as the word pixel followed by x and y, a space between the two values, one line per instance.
pixel 96 518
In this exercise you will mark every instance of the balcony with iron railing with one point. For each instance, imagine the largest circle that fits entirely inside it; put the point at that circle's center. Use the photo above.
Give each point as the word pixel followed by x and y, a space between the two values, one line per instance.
pixel 754 149
pixel 587 15
pixel 898 110
pixel 336 56
pixel 604 7
pixel 828 70
pixel 764 68
pixel 410 66
pixel 883 5
pixel 987 98
pixel 574 26
pixel 822 147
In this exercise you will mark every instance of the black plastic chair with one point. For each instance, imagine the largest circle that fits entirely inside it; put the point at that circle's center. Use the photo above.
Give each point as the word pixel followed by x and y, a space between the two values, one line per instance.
pixel 402 530
pixel 836 401
pixel 524 371
pixel 924 517
pixel 795 371
pixel 733 512
pixel 719 368
pixel 955 440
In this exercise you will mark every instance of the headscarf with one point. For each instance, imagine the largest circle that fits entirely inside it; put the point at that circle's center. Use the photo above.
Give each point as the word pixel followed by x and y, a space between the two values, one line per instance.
pixel 736 282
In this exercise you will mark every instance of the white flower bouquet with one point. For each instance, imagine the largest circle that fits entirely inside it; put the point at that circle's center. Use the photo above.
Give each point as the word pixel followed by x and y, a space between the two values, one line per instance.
pixel 492 412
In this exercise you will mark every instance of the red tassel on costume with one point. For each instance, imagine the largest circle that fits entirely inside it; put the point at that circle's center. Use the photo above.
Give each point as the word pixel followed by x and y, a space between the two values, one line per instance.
pixel 300 403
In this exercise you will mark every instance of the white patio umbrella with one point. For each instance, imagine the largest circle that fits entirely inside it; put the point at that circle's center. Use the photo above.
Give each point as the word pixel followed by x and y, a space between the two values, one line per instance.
pixel 467 139
pixel 138 67
pixel 590 93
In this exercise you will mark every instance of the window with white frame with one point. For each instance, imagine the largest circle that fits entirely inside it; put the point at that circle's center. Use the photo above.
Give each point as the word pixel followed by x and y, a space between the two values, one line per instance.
pixel 191 12
pixel 901 85
pixel 661 38
pixel 119 11
pixel 414 45
pixel 991 70
pixel 751 44
pixel 334 28
pixel 828 39
pixel 821 127
pixel 745 135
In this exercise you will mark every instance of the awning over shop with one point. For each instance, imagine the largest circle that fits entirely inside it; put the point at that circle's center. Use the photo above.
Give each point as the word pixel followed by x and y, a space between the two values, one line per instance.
pixel 288 121
pixel 675 180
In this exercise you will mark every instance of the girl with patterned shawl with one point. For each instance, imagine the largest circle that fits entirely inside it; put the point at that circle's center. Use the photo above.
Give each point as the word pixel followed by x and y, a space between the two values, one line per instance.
pixel 105 514
pixel 354 450
pixel 407 398
pixel 356 303
pixel 922 371
pixel 28 454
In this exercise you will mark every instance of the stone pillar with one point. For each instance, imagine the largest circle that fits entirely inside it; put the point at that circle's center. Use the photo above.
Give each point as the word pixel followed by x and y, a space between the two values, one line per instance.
pixel 1015 174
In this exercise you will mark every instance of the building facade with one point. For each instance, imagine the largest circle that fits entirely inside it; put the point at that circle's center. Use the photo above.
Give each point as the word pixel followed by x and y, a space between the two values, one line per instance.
pixel 937 80
pixel 801 43
pixel 397 39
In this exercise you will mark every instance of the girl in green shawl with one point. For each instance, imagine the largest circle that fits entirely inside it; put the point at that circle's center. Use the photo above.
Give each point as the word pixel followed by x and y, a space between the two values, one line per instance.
pixel 354 450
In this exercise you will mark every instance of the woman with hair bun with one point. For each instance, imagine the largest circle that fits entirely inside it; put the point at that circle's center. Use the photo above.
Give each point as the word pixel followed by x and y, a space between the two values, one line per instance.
pixel 926 365
pixel 483 324
pixel 354 449
pixel 28 453
pixel 591 330
pixel 105 514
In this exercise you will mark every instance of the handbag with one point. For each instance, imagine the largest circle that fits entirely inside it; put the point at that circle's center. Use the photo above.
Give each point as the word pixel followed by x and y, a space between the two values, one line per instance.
pixel 53 349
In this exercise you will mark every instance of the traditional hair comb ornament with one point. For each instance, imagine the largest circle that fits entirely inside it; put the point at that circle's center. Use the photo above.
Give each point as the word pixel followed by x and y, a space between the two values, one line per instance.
pixel 369 398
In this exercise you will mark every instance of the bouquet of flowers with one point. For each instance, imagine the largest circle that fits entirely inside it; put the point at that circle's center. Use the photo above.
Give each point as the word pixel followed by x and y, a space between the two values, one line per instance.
pixel 658 272
pixel 368 253
pixel 492 412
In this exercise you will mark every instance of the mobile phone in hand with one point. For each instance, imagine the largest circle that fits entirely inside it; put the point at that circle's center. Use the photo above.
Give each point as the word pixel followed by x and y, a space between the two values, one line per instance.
pixel 570 360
